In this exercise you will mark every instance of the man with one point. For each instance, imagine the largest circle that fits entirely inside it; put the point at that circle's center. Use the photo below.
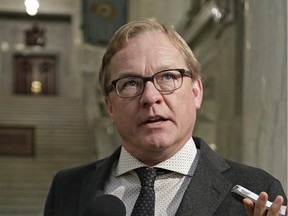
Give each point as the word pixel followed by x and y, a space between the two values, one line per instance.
pixel 152 88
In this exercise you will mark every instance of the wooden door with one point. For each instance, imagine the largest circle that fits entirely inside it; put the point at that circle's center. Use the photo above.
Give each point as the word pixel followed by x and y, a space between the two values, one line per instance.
pixel 35 74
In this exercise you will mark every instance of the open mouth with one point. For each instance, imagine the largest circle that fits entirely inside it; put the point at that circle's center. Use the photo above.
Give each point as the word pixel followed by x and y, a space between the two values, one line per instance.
pixel 155 120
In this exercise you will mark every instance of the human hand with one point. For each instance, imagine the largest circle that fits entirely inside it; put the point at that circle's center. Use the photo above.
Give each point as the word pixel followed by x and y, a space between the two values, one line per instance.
pixel 259 208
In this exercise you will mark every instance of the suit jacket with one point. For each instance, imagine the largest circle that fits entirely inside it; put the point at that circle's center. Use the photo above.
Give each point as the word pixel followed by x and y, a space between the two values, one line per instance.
pixel 208 192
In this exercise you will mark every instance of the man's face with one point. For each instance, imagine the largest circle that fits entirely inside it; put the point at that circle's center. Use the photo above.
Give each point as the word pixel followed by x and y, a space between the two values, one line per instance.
pixel 154 125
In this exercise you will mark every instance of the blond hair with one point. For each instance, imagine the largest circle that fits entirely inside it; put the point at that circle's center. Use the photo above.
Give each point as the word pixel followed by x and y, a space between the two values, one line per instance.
pixel 134 28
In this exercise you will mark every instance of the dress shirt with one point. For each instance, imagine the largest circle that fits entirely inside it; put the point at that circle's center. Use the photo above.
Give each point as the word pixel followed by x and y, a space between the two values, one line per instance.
pixel 169 188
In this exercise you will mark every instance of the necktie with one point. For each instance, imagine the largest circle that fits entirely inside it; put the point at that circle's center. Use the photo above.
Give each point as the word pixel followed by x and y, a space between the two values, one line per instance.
pixel 145 203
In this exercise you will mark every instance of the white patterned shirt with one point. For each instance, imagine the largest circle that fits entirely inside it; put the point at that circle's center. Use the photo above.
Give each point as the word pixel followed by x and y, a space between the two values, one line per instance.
pixel 169 188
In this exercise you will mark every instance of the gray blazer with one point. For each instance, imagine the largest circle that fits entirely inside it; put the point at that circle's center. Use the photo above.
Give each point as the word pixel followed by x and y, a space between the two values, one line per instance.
pixel 208 192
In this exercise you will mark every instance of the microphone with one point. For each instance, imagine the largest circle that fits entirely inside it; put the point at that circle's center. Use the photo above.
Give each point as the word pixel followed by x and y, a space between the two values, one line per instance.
pixel 106 205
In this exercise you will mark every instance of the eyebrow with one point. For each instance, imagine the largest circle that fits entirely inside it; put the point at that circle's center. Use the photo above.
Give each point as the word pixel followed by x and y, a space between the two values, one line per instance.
pixel 134 74
pixel 128 74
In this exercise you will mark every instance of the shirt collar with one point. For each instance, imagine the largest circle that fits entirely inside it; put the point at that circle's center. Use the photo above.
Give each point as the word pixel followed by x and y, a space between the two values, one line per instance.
pixel 179 162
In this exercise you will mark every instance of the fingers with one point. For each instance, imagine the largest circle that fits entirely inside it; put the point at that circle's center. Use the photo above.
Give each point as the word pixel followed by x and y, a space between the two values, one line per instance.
pixel 259 208
pixel 260 205
pixel 275 207
pixel 249 206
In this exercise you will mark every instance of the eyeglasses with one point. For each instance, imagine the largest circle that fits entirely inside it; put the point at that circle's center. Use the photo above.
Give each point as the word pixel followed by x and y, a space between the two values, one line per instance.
pixel 164 81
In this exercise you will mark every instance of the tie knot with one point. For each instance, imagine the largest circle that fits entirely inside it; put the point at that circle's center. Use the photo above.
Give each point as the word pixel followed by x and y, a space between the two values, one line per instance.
pixel 147 176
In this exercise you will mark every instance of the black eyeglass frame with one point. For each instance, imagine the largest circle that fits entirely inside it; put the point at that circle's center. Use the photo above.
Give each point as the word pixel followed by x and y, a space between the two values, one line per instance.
pixel 113 84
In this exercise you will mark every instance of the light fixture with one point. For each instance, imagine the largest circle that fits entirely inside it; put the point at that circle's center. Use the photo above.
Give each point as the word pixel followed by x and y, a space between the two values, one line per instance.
pixel 216 14
pixel 31 7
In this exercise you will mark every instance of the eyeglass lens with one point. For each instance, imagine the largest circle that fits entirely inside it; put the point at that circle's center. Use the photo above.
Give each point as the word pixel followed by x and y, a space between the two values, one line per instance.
pixel 164 81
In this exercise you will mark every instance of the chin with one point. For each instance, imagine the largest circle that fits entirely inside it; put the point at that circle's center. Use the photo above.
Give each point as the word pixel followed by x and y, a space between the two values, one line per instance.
pixel 158 144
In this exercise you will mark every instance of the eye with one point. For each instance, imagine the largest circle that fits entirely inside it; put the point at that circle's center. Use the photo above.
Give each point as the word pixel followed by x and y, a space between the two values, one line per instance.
pixel 129 82
pixel 168 76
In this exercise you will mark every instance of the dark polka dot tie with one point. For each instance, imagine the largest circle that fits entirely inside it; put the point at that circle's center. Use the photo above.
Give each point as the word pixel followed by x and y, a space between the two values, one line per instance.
pixel 145 203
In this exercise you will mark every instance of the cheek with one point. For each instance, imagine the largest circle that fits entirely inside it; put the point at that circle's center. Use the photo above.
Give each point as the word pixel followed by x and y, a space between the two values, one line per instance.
pixel 187 108
pixel 121 113
pixel 187 98
pixel 185 105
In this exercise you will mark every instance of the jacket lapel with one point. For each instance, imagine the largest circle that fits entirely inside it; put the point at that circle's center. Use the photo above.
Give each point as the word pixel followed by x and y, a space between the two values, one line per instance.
pixel 208 187
pixel 205 193
pixel 94 182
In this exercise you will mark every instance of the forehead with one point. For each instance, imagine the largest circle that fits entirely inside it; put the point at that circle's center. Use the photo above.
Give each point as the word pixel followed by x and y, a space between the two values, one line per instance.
pixel 148 52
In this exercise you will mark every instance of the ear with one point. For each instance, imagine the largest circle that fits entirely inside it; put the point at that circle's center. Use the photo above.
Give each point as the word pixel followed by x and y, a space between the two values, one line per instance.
pixel 109 106
pixel 197 92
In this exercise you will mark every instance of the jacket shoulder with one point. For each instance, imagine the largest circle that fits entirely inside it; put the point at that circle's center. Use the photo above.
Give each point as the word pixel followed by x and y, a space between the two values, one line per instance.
pixel 84 170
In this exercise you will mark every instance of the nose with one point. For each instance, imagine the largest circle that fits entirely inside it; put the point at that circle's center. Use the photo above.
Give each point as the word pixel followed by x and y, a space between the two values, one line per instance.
pixel 150 95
